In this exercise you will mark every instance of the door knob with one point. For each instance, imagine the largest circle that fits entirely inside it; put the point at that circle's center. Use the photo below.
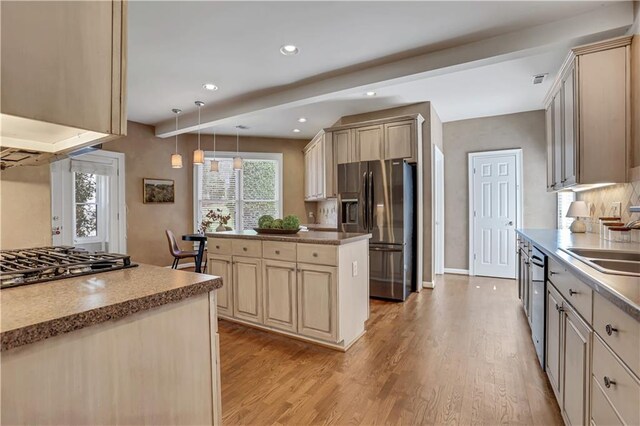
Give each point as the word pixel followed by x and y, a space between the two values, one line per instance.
pixel 510 223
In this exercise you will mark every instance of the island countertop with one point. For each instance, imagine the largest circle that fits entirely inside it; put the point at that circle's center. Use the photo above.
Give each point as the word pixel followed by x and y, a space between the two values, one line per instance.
pixel 35 312
pixel 621 290
pixel 310 237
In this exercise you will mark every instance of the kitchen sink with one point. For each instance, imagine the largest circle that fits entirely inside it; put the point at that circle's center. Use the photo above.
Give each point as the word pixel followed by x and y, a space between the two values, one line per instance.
pixel 617 262
pixel 606 254
pixel 618 266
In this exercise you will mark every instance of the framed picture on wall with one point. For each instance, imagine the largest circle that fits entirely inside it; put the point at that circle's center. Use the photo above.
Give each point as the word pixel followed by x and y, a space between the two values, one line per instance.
pixel 158 191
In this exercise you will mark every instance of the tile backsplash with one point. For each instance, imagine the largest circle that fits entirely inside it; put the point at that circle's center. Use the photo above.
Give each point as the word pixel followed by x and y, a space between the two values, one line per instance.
pixel 601 200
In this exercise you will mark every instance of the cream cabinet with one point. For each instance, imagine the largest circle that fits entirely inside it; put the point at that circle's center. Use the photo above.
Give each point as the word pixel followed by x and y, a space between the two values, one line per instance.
pixel 319 170
pixel 247 288
pixel 588 116
pixel 63 73
pixel 317 298
pixel 280 295
pixel 386 139
pixel 306 290
pixel 576 368
pixel 221 266
pixel 553 340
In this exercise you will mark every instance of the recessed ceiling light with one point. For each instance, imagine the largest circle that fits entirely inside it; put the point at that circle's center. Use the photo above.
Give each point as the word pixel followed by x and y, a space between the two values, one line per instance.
pixel 289 49
pixel 210 86
pixel 371 93
pixel 296 130
pixel 302 120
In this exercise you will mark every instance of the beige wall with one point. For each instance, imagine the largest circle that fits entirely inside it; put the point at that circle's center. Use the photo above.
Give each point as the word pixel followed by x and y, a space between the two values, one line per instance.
pixel 428 132
pixel 523 130
pixel 149 156
pixel 25 207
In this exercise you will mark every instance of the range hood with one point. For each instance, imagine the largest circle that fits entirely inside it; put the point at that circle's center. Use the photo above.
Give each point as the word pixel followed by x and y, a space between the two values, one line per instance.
pixel 24 141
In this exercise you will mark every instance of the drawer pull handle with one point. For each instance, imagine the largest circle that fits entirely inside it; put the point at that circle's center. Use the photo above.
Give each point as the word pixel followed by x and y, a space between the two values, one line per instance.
pixel 572 292
pixel 608 382
pixel 315 254
pixel 552 273
pixel 610 329
pixel 277 251
pixel 559 308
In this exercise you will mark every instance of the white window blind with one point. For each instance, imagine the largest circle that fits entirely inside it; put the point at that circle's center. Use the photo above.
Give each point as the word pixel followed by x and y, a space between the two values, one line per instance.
pixel 564 201
pixel 244 194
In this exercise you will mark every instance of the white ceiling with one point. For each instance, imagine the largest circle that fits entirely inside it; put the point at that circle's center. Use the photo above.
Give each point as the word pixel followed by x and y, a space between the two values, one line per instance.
pixel 175 47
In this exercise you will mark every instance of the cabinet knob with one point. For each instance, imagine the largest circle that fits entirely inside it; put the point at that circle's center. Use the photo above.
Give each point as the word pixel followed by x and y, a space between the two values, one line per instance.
pixel 218 247
pixel 608 382
pixel 610 329
pixel 315 254
pixel 559 308
pixel 572 292
pixel 277 251
pixel 244 249
pixel 551 273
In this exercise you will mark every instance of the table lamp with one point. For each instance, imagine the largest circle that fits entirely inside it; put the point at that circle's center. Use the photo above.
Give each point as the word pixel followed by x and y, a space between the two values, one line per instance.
pixel 578 209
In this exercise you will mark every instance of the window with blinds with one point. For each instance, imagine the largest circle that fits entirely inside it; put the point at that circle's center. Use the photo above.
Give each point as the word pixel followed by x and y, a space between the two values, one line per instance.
pixel 244 194
pixel 564 201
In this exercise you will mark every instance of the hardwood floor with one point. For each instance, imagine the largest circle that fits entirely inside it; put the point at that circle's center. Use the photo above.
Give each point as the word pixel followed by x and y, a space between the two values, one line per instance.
pixel 458 354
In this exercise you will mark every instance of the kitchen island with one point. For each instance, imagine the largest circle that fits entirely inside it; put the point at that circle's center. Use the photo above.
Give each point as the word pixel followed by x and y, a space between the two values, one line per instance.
pixel 312 286
pixel 132 346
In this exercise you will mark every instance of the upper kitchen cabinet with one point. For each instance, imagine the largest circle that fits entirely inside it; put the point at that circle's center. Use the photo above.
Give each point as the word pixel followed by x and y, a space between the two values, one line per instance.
pixel 392 138
pixel 319 170
pixel 63 74
pixel 588 117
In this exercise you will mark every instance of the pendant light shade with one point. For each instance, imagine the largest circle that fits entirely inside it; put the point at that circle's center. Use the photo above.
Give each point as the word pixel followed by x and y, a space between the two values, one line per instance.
pixel 176 159
pixel 215 164
pixel 198 154
pixel 237 160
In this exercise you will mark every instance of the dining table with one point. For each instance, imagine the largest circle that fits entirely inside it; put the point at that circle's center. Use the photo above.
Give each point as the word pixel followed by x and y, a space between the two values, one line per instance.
pixel 202 241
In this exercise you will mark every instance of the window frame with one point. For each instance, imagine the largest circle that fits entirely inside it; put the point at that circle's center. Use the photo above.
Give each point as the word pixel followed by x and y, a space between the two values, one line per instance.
pixel 197 182
pixel 101 211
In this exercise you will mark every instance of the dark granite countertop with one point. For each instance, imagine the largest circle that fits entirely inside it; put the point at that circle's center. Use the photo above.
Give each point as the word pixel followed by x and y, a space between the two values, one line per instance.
pixel 622 290
pixel 35 312
pixel 310 237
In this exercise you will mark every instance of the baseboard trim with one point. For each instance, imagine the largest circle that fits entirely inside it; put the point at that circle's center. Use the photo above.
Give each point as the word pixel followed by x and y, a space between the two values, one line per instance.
pixel 184 265
pixel 428 284
pixel 456 271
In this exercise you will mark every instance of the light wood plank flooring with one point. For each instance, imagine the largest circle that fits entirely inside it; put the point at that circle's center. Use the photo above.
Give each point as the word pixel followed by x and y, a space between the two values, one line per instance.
pixel 458 354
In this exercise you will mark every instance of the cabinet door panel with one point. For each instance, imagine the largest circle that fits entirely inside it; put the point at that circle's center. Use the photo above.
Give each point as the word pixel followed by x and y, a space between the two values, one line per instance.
pixel 550 152
pixel 247 289
pixel 318 170
pixel 557 141
pixel 553 340
pixel 280 299
pixel 222 267
pixel 576 371
pixel 568 113
pixel 341 143
pixel 317 299
pixel 369 141
pixel 399 140
pixel 307 174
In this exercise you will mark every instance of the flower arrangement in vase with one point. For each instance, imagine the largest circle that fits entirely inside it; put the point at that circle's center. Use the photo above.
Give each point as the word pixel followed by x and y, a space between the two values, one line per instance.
pixel 214 216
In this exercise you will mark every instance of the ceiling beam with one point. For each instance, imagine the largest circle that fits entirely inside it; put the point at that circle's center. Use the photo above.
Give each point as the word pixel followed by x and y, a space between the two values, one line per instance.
pixel 595 25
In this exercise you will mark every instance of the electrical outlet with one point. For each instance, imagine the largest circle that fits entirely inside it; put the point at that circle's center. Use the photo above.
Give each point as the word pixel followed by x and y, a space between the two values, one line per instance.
pixel 354 268
pixel 616 208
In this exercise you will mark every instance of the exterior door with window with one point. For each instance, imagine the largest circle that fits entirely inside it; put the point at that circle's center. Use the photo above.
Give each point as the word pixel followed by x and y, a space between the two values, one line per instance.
pixel 494 186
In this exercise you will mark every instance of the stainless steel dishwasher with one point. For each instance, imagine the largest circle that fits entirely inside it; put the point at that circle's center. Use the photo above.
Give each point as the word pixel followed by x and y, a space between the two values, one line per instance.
pixel 537 298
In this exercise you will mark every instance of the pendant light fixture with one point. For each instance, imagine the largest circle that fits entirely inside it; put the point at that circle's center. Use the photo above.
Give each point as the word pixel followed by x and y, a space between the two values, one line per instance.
pixel 237 160
pixel 176 159
pixel 198 154
pixel 215 164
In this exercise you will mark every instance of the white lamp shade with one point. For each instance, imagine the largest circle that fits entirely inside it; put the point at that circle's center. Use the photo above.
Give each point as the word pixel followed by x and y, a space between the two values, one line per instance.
pixel 198 156
pixel 237 163
pixel 176 161
pixel 578 209
pixel 215 166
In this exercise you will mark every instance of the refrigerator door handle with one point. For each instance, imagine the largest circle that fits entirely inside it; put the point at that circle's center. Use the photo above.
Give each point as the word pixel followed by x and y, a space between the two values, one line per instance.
pixel 370 201
pixel 365 204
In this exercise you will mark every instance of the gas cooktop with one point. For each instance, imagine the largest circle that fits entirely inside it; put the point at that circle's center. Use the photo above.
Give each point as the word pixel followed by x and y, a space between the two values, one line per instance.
pixel 41 264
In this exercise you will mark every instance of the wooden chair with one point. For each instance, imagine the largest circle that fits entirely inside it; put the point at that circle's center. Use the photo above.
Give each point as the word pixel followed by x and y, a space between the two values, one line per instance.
pixel 176 252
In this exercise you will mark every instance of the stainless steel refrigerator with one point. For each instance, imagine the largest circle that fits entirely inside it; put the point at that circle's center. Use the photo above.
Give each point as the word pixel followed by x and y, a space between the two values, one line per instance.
pixel 377 197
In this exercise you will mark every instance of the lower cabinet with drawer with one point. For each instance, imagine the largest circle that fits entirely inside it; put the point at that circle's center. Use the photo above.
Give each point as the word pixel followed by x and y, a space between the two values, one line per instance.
pixel 307 291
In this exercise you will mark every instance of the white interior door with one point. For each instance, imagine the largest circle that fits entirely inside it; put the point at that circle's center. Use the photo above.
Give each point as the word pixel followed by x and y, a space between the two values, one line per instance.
pixel 87 202
pixel 438 211
pixel 494 195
